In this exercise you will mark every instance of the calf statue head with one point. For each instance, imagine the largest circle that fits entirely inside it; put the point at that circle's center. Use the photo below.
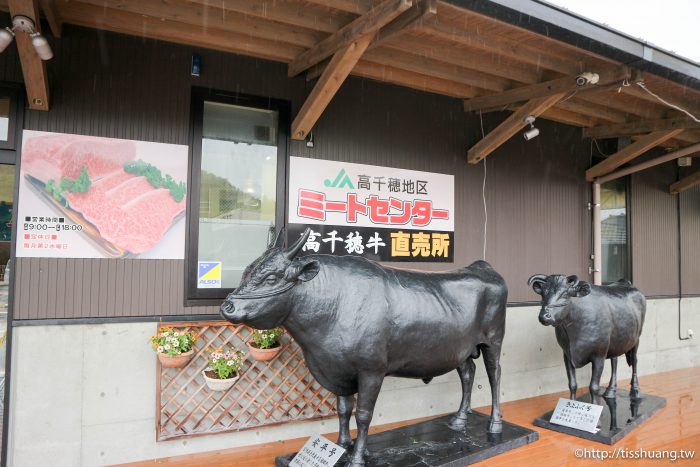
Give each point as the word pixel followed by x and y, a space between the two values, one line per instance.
pixel 262 298
pixel 556 291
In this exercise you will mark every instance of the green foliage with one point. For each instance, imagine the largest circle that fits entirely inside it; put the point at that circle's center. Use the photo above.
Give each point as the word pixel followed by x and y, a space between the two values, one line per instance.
pixel 267 338
pixel 156 178
pixel 81 184
pixel 226 364
pixel 172 341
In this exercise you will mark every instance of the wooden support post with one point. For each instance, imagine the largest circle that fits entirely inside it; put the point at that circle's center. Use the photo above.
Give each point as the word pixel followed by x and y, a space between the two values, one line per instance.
pixel 328 84
pixel 685 183
pixel 370 22
pixel 544 89
pixel 630 152
pixel 33 68
pixel 510 126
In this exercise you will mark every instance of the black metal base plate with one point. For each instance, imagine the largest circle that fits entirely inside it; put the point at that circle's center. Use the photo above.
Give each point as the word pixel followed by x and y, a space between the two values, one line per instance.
pixel 629 414
pixel 432 443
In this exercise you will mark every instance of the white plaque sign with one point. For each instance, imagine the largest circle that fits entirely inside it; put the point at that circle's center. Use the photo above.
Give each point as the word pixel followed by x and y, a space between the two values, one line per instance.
pixel 317 452
pixel 578 415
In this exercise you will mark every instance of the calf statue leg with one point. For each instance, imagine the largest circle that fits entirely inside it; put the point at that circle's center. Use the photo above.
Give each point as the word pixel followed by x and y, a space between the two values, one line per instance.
pixel 594 387
pixel 492 356
pixel 611 390
pixel 466 375
pixel 345 405
pixel 632 360
pixel 369 386
pixel 571 375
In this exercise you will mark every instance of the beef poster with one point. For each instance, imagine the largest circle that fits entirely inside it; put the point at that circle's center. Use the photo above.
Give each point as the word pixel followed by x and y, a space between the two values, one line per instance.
pixel 92 197
pixel 381 213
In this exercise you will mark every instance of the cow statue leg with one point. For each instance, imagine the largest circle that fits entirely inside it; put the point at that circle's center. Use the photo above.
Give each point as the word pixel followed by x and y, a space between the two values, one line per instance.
pixel 611 390
pixel 596 373
pixel 571 375
pixel 632 361
pixel 466 374
pixel 369 386
pixel 492 356
pixel 345 405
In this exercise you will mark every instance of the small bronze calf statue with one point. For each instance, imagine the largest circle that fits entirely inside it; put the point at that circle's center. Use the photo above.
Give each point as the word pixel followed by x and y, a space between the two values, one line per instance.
pixel 593 323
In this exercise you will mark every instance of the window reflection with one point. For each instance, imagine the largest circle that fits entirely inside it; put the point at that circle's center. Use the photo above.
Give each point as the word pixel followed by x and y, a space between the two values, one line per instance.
pixel 613 215
pixel 238 186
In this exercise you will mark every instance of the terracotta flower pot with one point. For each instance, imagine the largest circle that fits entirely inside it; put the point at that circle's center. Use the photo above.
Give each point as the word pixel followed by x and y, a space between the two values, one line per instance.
pixel 175 361
pixel 216 384
pixel 263 355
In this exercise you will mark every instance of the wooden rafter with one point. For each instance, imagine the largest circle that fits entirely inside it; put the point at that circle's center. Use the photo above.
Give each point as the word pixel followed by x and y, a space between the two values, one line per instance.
pixel 511 125
pixel 685 183
pixel 328 84
pixel 370 22
pixel 637 128
pixel 630 152
pixel 33 68
pixel 48 7
pixel 544 89
pixel 420 11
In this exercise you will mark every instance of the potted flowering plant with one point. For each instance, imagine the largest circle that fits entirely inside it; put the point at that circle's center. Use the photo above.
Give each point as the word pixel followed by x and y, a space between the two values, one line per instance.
pixel 223 369
pixel 173 347
pixel 265 344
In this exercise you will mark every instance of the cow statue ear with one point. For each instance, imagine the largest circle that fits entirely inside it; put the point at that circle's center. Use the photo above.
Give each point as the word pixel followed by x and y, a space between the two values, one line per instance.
pixel 582 289
pixel 302 269
pixel 536 282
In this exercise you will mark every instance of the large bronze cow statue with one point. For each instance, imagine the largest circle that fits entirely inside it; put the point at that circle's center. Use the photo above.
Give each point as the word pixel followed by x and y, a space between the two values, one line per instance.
pixel 357 321
pixel 592 323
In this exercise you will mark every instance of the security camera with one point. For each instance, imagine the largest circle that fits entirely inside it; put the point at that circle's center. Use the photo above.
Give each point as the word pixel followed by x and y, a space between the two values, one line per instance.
pixel 587 78
pixel 531 133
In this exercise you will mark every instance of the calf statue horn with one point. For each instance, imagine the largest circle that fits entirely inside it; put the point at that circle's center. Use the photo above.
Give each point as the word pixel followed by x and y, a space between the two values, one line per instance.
pixel 536 278
pixel 294 249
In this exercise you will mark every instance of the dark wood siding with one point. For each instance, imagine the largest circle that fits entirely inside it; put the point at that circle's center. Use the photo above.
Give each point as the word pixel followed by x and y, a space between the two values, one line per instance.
pixel 118 86
pixel 690 237
pixel 654 214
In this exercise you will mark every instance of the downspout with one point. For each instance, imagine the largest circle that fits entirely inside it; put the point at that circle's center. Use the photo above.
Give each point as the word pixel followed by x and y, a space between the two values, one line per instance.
pixel 597 244
pixel 680 267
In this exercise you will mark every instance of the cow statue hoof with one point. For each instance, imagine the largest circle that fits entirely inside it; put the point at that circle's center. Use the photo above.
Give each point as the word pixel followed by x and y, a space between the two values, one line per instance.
pixel 496 426
pixel 634 393
pixel 458 423
pixel 610 393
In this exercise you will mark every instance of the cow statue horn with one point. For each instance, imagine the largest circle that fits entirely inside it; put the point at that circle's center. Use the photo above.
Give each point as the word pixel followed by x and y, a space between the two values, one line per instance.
pixel 294 249
pixel 536 278
pixel 279 241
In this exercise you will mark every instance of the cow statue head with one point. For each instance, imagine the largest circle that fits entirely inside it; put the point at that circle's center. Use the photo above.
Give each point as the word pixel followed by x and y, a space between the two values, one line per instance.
pixel 556 291
pixel 262 298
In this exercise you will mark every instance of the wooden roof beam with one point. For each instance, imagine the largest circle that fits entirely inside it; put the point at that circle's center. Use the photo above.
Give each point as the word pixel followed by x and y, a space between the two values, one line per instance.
pixel 328 84
pixel 637 128
pixel 630 152
pixel 404 22
pixel 48 7
pixel 33 68
pixel 511 125
pixel 368 23
pixel 547 88
pixel 685 183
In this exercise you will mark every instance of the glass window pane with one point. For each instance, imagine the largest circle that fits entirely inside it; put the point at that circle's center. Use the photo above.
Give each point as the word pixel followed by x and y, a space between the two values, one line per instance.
pixel 613 215
pixel 238 186
pixel 4 117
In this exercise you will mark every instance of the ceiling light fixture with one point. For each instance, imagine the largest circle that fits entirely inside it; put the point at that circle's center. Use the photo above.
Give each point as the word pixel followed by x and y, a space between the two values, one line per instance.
pixel 532 132
pixel 25 24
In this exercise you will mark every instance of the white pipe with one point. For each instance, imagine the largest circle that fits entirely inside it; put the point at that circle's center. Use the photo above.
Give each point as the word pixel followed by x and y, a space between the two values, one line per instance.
pixel 597 244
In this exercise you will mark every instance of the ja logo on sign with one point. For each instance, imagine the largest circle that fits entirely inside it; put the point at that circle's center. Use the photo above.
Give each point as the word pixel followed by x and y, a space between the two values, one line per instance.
pixel 341 180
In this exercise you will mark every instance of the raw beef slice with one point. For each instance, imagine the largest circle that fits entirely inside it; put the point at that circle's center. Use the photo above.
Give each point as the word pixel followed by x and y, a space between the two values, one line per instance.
pixel 58 155
pixel 128 211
